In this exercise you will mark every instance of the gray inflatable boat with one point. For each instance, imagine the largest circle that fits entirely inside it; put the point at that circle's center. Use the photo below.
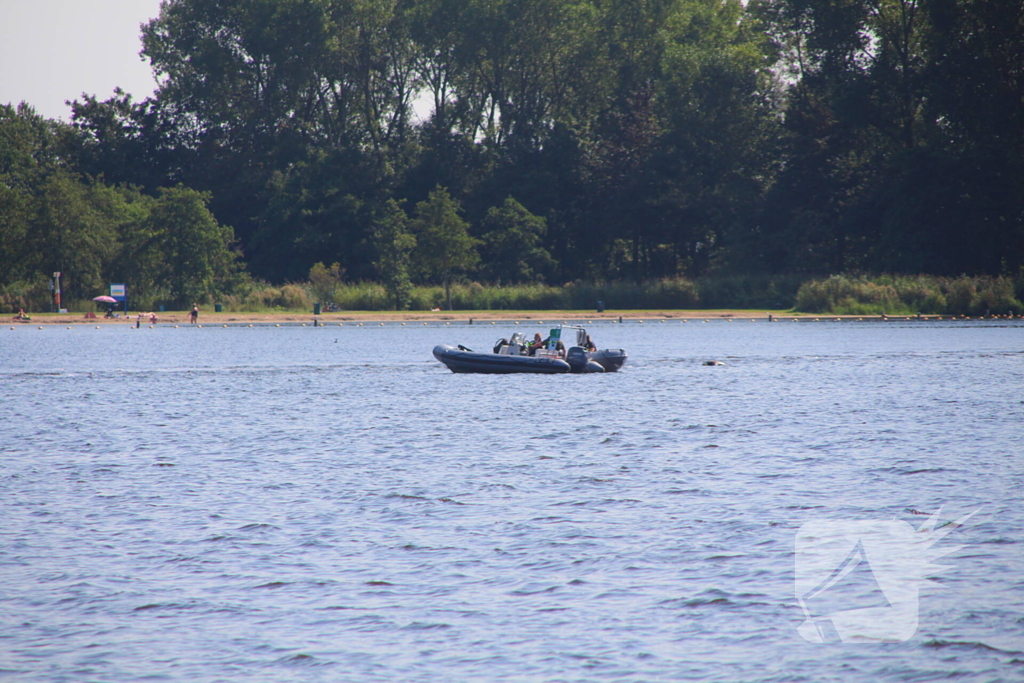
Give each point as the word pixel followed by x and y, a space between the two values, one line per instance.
pixel 514 356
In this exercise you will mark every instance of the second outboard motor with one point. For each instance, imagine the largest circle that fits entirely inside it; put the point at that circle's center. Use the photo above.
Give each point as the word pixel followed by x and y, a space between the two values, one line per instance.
pixel 579 361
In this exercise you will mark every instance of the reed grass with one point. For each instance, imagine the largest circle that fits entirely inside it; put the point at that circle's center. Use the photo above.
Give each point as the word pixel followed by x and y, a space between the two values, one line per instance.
pixel 838 294
pixel 911 294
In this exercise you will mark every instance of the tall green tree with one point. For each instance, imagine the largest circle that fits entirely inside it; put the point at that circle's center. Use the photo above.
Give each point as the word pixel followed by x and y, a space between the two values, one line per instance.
pixel 512 245
pixel 16 259
pixel 197 257
pixel 444 247
pixel 394 244
pixel 975 97
pixel 260 88
pixel 73 233
pixel 324 281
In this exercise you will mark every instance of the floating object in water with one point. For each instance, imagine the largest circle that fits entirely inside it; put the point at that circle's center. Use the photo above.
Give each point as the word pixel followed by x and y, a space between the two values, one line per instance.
pixel 713 362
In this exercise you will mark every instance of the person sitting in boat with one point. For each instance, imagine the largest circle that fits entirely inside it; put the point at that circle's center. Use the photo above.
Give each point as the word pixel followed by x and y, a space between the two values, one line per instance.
pixel 590 344
pixel 560 348
pixel 537 343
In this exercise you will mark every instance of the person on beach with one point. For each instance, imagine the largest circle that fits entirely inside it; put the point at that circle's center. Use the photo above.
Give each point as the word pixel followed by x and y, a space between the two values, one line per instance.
pixel 194 315
pixel 152 318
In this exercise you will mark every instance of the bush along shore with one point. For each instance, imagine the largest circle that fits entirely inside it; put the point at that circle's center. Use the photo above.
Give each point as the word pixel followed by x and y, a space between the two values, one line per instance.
pixel 836 295
pixel 911 294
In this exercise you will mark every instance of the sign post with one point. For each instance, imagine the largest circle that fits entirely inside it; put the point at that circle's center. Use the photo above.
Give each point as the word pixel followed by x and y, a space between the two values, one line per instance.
pixel 56 292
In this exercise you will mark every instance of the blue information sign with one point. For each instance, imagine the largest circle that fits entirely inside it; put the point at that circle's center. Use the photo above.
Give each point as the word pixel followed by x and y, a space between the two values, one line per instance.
pixel 120 292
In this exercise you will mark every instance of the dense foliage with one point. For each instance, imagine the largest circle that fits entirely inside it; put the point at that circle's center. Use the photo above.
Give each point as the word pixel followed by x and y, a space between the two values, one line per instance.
pixel 531 141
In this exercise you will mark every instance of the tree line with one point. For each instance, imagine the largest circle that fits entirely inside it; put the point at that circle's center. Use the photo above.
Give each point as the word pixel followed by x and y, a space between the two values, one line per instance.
pixel 532 141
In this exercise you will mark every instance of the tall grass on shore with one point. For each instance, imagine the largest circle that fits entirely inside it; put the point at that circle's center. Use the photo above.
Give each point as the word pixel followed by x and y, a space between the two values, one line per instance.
pixel 838 294
pixel 911 294
pixel 668 293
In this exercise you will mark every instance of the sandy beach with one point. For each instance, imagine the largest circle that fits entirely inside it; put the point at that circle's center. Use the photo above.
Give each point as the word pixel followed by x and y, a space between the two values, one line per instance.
pixel 211 318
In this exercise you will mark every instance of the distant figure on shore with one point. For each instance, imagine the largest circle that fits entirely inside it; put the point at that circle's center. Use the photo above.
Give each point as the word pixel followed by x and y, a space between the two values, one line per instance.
pixel 152 318
pixel 194 315
pixel 21 315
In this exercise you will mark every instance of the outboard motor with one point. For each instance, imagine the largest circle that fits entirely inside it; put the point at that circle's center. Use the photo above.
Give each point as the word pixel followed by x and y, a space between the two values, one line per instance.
pixel 579 361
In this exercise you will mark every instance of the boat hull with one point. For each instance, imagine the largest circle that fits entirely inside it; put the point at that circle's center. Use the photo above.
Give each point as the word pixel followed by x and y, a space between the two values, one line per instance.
pixel 458 360
pixel 609 359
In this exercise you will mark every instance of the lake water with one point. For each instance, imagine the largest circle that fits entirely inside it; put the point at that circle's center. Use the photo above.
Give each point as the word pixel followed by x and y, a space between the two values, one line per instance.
pixel 331 504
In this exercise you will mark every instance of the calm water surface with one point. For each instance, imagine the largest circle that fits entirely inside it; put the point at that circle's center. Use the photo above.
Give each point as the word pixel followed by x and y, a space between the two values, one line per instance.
pixel 331 504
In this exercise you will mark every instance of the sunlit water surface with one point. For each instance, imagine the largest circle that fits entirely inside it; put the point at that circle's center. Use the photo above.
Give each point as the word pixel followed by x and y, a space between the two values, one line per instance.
pixel 331 504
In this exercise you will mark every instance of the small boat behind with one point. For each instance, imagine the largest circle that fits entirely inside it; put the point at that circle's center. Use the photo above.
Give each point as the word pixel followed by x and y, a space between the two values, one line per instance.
pixel 515 355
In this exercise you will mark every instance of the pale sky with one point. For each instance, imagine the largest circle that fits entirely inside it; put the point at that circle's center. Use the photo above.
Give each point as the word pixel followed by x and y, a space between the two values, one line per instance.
pixel 54 50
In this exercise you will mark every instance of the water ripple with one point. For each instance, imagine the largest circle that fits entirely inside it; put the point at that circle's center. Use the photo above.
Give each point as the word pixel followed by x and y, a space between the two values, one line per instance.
pixel 331 504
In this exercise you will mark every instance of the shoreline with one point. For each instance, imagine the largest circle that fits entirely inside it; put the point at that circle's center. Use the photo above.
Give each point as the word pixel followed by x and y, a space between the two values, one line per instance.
pixel 468 317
